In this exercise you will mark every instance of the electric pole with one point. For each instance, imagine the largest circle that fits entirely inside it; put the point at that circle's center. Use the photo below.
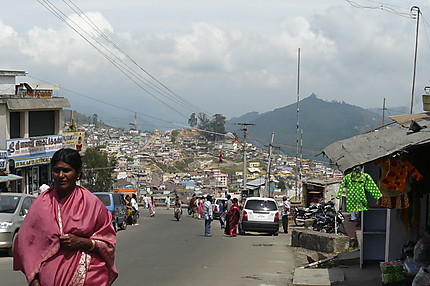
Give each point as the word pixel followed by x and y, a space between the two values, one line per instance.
pixel 269 164
pixel 245 131
pixel 415 54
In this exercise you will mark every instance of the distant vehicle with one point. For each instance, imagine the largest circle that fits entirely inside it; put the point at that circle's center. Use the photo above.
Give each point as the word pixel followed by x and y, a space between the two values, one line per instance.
pixel 115 203
pixel 216 210
pixel 259 215
pixel 13 209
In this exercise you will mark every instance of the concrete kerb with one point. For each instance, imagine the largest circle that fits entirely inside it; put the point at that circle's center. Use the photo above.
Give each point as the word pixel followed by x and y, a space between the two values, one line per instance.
pixel 318 241
pixel 322 242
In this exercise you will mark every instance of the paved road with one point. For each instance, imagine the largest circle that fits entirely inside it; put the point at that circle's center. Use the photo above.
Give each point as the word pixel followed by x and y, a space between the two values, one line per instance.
pixel 160 251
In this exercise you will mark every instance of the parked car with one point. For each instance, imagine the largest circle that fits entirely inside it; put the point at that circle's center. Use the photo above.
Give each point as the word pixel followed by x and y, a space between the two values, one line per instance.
pixel 13 209
pixel 259 215
pixel 115 203
pixel 216 210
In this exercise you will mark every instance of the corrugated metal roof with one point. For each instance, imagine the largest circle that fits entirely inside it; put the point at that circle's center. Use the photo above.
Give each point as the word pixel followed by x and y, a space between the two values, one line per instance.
pixel 371 146
pixel 35 103
pixel 406 118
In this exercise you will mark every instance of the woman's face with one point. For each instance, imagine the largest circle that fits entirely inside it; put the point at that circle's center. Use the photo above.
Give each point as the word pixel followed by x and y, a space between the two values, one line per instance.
pixel 64 176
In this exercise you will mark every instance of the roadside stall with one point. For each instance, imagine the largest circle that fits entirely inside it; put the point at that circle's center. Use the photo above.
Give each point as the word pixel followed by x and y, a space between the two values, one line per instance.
pixel 395 226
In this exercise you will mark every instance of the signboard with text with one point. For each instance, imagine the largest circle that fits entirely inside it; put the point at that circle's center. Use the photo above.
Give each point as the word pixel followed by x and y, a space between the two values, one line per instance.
pixel 32 161
pixel 33 146
pixel 74 140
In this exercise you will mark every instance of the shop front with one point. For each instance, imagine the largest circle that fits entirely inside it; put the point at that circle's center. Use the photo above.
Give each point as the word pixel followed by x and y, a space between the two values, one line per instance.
pixel 30 158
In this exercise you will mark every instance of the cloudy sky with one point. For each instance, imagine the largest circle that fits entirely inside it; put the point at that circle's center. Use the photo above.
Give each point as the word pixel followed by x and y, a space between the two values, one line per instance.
pixel 166 59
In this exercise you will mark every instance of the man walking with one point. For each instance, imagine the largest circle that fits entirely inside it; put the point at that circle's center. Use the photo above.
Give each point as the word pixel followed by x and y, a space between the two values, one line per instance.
pixel 286 205
pixel 168 202
pixel 208 215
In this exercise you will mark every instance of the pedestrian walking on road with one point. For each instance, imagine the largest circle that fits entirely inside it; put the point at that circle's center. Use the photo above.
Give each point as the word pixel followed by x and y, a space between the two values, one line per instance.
pixel 67 237
pixel 200 208
pixel 145 201
pixel 285 211
pixel 168 202
pixel 151 206
pixel 208 215
pixel 223 213
pixel 192 208
pixel 229 203
pixel 233 219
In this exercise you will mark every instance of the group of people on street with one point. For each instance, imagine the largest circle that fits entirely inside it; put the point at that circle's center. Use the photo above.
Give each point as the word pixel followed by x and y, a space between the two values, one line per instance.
pixel 132 209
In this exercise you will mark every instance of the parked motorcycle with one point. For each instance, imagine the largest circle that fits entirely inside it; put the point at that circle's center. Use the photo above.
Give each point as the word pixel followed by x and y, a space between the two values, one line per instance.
pixel 177 212
pixel 301 215
pixel 331 222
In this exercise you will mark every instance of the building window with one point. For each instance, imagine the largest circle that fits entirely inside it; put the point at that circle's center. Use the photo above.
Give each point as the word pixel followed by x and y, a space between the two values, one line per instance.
pixel 41 123
pixel 15 125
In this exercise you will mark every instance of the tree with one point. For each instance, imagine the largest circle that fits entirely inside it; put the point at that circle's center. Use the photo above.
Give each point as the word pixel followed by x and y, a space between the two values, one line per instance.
pixel 217 125
pixel 174 135
pixel 192 121
pixel 97 171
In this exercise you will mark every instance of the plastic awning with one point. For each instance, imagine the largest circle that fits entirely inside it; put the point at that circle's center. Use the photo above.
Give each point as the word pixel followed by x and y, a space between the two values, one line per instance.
pixel 10 177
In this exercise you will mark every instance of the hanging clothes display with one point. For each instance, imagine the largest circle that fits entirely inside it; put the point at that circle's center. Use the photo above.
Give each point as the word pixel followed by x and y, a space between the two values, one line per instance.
pixel 356 184
pixel 398 202
pixel 395 172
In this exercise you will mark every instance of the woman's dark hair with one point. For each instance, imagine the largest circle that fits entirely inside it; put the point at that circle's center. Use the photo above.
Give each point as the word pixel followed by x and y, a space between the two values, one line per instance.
pixel 234 200
pixel 69 156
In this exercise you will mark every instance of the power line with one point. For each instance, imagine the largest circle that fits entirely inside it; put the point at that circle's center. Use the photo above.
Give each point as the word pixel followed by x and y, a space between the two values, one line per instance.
pixel 114 59
pixel 382 6
pixel 81 14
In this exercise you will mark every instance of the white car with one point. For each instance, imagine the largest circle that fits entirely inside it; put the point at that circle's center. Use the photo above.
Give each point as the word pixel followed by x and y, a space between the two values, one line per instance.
pixel 13 209
pixel 259 215
pixel 216 208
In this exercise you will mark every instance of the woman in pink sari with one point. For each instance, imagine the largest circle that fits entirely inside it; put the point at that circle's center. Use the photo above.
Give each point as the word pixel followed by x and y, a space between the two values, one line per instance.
pixel 232 219
pixel 200 208
pixel 67 238
pixel 151 207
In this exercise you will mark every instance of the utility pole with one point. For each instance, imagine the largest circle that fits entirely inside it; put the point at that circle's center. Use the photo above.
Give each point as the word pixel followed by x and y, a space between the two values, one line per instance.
pixel 415 54
pixel 269 164
pixel 383 112
pixel 297 127
pixel 245 131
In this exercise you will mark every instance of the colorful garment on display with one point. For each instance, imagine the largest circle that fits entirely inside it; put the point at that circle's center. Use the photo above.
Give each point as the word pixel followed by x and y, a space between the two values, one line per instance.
pixel 399 202
pixel 395 173
pixel 356 185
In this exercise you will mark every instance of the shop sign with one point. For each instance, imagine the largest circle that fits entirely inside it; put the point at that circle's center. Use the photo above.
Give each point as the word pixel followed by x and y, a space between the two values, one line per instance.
pixel 3 154
pixel 34 145
pixel 74 140
pixel 32 161
pixel 3 163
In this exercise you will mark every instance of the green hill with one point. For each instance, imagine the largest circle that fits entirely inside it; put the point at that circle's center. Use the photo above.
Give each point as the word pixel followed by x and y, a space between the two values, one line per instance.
pixel 322 123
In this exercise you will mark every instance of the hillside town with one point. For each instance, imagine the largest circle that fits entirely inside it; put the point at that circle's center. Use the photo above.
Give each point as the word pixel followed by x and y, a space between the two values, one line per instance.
pixel 179 166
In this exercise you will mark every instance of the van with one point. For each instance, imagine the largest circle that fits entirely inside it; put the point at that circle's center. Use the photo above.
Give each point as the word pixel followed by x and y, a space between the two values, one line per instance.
pixel 115 203
pixel 259 214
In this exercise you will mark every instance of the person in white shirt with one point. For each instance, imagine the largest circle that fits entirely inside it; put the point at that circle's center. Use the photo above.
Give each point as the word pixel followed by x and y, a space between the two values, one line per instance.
pixel 133 201
pixel 145 201
pixel 208 215
pixel 285 211
pixel 168 202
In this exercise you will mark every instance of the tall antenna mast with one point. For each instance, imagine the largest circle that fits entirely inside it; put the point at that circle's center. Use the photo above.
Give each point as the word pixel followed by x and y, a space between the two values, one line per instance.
pixel 297 126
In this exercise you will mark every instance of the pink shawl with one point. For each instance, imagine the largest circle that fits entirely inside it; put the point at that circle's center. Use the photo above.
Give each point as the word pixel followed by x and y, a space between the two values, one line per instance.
pixel 37 248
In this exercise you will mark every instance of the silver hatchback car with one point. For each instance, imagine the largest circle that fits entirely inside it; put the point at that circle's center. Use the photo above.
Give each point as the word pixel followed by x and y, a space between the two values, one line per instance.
pixel 13 209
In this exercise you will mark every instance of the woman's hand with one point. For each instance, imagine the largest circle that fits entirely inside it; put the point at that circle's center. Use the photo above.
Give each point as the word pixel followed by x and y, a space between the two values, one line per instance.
pixel 71 241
